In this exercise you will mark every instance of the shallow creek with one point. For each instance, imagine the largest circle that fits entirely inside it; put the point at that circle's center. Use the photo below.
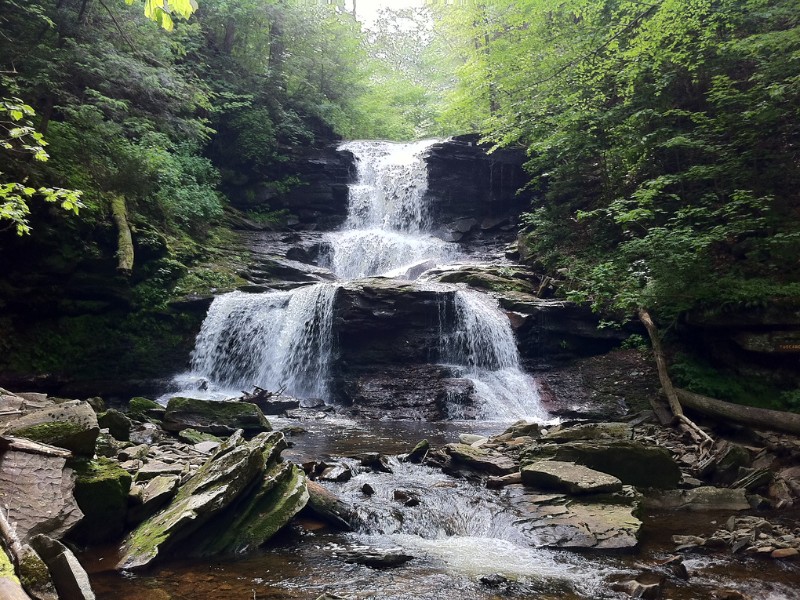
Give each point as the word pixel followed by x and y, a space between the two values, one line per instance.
pixel 458 534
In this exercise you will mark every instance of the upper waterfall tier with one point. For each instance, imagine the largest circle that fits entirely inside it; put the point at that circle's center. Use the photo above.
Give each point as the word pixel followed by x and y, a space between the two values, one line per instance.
pixel 390 190
pixel 388 220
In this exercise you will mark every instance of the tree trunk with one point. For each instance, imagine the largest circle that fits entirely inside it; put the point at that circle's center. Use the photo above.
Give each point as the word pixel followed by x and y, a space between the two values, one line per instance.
pixel 746 415
pixel 119 213
pixel 661 363
pixel 700 436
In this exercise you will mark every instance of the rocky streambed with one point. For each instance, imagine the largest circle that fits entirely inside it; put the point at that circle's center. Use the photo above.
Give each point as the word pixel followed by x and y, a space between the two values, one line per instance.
pixel 206 499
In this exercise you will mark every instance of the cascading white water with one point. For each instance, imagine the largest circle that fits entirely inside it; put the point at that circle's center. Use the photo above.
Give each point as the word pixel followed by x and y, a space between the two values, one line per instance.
pixel 388 216
pixel 273 340
pixel 482 344
pixel 283 340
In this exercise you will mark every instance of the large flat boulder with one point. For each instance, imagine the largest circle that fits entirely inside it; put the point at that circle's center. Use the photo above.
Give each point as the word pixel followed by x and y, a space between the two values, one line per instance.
pixel 220 481
pixel 556 521
pixel 36 483
pixel 568 477
pixel 215 417
pixel 631 462
pixel 478 459
pixel 71 425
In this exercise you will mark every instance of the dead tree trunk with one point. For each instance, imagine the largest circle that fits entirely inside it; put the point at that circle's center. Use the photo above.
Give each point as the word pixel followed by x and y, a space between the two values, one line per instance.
pixel 666 383
pixel 746 415
pixel 119 213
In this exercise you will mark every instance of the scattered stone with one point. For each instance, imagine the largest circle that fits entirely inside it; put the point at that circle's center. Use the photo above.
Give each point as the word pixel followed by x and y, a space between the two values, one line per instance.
pixel 35 576
pixel 154 468
pixel 498 482
pixel 192 436
pixel 493 580
pixel 471 439
pixel 147 434
pixel 568 477
pixel 144 409
pixel 407 497
pixel 215 417
pixel 631 462
pixel 276 405
pixel 648 586
pixel 149 497
pixel 367 489
pixel 590 431
pixel 337 472
pixel 71 425
pixel 207 447
pixel 375 461
pixel 325 505
pixel 785 553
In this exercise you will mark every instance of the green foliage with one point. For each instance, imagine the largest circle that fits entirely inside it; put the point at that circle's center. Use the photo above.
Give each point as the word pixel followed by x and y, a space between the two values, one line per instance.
pixel 19 139
pixel 662 141
pixel 699 376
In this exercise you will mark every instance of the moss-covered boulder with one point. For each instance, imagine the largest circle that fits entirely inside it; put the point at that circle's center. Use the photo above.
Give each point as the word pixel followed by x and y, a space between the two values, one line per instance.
pixel 259 515
pixel 101 490
pixel 231 470
pixel 118 425
pixel 72 425
pixel 215 417
pixel 35 576
pixel 192 436
pixel 144 409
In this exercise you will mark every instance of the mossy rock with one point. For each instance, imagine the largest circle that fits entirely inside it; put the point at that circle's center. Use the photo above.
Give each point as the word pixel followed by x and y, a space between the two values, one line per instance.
pixel 118 425
pixel 6 568
pixel 214 417
pixel 35 576
pixel 192 436
pixel 101 490
pixel 144 409
pixel 72 425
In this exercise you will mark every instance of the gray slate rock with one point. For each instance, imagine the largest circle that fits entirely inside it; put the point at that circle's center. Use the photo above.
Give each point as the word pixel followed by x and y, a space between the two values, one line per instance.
pixel 569 477
pixel 69 577
pixel 35 481
pixel 216 485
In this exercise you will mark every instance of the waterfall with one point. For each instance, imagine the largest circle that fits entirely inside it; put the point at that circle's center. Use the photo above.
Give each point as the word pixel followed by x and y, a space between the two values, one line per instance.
pixel 482 347
pixel 388 222
pixel 283 339
pixel 273 340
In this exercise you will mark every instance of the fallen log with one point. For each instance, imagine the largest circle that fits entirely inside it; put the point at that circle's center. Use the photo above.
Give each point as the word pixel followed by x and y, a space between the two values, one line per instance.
pixel 747 415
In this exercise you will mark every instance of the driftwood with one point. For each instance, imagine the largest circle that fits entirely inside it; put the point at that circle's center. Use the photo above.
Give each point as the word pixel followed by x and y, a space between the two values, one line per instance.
pixel 746 415
pixel 260 394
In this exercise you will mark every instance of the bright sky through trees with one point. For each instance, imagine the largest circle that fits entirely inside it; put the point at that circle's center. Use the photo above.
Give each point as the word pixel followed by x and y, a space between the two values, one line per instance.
pixel 367 10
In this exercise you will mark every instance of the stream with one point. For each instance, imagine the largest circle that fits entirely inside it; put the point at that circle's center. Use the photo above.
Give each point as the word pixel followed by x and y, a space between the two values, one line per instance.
pixel 460 534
